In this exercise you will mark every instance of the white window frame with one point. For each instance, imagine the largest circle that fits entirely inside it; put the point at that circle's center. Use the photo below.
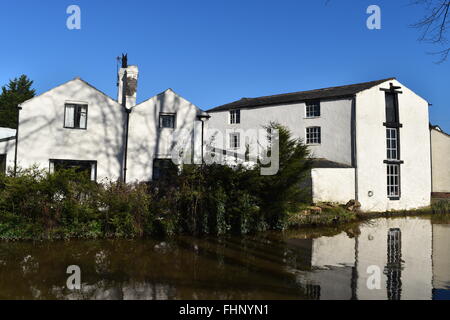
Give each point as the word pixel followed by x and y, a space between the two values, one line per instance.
pixel 312 109
pixel 393 181
pixel 172 115
pixel 235 140
pixel 93 166
pixel 313 135
pixel 392 143
pixel 235 116
pixel 71 112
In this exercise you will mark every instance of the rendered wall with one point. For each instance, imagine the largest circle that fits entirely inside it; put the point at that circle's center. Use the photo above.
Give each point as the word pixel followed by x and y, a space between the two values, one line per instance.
pixel 371 150
pixel 440 157
pixel 333 185
pixel 42 135
pixel 335 123
pixel 147 141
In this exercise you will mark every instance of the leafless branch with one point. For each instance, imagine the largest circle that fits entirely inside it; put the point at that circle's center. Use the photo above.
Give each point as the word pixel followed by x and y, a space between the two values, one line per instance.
pixel 434 25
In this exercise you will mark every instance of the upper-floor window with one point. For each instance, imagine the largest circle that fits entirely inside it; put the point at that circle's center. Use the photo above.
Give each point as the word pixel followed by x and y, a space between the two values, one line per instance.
pixel 313 109
pixel 75 116
pixel 391 107
pixel 235 116
pixel 392 143
pixel 313 135
pixel 167 120
pixel 235 140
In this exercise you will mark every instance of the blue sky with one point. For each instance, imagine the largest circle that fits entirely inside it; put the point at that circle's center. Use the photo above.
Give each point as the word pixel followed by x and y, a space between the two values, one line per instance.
pixel 216 51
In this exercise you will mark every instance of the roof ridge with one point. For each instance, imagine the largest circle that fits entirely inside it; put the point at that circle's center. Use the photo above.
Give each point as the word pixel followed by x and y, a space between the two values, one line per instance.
pixel 327 92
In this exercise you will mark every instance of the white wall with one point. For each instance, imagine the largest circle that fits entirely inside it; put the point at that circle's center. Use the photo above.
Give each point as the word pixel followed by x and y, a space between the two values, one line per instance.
pixel 440 157
pixel 42 135
pixel 441 256
pixel 333 185
pixel 147 141
pixel 335 121
pixel 371 150
pixel 7 146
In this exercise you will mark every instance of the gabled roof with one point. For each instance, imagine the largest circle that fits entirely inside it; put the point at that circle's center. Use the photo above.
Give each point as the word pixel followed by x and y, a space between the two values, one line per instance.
pixel 325 93
pixel 170 90
pixel 67 82
pixel 439 129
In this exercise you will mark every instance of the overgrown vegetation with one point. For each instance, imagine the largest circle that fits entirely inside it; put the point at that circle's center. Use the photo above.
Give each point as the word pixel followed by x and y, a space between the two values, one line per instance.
pixel 207 199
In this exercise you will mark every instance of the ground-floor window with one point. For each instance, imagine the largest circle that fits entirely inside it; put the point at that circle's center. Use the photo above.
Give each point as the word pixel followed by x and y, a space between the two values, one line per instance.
pixel 393 181
pixel 2 163
pixel 81 166
pixel 163 168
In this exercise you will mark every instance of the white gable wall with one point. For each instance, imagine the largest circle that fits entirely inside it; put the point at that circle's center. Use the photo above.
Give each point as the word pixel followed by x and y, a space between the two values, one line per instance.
pixel 42 135
pixel 146 141
pixel 371 150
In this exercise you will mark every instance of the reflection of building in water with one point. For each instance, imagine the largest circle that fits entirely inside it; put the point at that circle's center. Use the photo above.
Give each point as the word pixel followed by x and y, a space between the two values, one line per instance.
pixel 441 261
pixel 393 269
pixel 332 261
pixel 400 247
pixel 406 256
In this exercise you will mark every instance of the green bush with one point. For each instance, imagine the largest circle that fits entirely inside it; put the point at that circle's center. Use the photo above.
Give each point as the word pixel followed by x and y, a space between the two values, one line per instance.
pixel 207 199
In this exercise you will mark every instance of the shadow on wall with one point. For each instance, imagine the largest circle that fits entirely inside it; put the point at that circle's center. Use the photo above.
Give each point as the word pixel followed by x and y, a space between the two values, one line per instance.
pixel 148 141
pixel 42 135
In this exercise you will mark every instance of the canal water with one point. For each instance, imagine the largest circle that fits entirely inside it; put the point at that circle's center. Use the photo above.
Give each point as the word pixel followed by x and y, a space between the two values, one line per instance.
pixel 403 258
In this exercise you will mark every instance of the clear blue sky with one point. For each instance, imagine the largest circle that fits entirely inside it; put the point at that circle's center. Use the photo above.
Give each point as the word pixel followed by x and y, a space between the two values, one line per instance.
pixel 216 51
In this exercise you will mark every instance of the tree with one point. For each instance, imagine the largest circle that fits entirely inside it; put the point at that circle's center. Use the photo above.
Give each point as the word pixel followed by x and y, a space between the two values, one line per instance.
pixel 17 91
pixel 283 193
pixel 434 25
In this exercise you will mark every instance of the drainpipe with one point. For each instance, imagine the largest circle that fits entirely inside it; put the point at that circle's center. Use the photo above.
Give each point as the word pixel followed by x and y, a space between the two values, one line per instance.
pixel 355 148
pixel 17 139
pixel 128 111
pixel 202 118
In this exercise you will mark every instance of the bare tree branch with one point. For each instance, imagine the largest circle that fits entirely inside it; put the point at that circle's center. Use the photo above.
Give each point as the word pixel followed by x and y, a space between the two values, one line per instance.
pixel 434 25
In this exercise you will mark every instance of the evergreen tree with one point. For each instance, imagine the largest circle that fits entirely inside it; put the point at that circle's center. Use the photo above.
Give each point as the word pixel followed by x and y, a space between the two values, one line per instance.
pixel 16 92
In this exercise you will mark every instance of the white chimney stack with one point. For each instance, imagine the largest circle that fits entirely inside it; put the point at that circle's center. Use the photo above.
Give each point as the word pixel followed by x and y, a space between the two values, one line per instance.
pixel 128 79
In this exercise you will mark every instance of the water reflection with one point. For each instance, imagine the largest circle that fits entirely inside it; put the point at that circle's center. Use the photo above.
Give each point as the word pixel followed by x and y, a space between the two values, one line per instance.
pixel 412 253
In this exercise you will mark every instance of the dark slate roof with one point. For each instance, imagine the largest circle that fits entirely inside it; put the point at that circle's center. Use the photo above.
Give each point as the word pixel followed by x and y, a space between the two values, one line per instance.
pixel 326 93
pixel 325 163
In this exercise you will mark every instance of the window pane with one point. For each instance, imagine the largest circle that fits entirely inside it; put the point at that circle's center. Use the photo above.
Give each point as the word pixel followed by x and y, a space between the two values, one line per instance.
pixel 234 140
pixel 83 117
pixel 167 121
pixel 391 112
pixel 313 135
pixel 235 116
pixel 312 109
pixel 70 116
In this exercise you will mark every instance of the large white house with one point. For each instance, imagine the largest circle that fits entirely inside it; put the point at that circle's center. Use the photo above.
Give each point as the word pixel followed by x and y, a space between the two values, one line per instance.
pixel 371 140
